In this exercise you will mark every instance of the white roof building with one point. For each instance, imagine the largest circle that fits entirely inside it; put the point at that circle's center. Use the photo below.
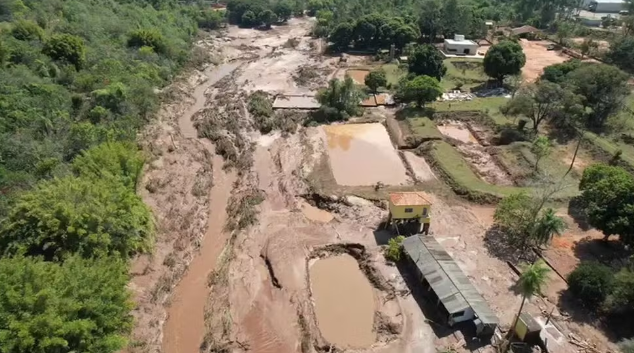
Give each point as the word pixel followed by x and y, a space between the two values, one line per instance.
pixel 460 46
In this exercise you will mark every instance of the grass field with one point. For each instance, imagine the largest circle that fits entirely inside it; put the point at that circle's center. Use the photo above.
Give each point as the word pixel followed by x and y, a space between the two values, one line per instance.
pixel 393 73
pixel 467 71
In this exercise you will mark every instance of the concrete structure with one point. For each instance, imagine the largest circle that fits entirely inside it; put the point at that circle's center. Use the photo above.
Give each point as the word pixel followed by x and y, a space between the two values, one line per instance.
pixel 527 328
pixel 460 45
pixel 607 6
pixel 410 207
pixel 295 102
pixel 447 286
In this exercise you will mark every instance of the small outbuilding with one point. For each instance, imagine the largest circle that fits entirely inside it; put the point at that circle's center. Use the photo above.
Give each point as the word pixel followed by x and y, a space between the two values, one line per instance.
pixel 460 46
pixel 408 207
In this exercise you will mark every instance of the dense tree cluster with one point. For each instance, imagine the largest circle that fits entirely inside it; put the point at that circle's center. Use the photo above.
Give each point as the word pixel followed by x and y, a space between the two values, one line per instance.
pixel 573 94
pixel 379 24
pixel 254 13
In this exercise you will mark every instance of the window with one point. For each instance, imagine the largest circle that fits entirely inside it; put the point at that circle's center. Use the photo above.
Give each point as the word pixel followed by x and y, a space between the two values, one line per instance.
pixel 409 210
pixel 458 314
pixel 424 212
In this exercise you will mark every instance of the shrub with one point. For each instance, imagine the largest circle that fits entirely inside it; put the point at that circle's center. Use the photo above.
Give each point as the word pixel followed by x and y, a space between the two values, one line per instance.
pixel 27 30
pixel 78 306
pixel 85 216
pixel 66 47
pixel 591 283
pixel 114 160
pixel 147 38
pixel 394 249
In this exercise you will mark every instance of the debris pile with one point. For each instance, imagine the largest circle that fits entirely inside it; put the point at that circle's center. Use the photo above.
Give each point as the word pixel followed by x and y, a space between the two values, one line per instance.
pixel 457 95
pixel 494 92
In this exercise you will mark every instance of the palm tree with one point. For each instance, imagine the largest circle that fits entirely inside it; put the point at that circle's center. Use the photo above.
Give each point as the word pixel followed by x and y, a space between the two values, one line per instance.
pixel 547 226
pixel 531 282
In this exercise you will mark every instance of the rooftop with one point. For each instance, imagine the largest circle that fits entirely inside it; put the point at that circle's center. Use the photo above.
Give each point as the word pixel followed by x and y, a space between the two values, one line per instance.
pixel 524 29
pixel 408 198
pixel 451 285
pixel 295 102
pixel 462 41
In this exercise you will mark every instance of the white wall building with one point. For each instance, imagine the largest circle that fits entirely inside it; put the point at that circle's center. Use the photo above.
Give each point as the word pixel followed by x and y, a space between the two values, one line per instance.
pixel 460 46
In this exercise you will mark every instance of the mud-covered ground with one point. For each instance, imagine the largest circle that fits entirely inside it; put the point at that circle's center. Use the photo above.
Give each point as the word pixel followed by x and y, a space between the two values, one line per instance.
pixel 247 223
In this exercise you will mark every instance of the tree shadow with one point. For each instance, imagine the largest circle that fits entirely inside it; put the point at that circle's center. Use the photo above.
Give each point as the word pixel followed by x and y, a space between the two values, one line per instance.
pixel 497 245
pixel 562 135
pixel 581 314
pixel 611 252
pixel 382 235
pixel 576 212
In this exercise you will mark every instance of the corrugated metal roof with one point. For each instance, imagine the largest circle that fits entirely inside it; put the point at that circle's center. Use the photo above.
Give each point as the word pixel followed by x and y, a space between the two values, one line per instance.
pixel 450 284
pixel 408 198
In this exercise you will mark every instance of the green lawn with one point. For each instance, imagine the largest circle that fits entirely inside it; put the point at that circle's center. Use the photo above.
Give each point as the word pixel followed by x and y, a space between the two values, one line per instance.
pixel 424 128
pixel 490 106
pixel 393 73
pixel 469 71
pixel 520 162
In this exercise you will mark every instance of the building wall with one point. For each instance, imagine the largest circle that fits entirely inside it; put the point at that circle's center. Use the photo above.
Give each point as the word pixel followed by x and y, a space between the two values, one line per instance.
pixel 459 48
pixel 413 211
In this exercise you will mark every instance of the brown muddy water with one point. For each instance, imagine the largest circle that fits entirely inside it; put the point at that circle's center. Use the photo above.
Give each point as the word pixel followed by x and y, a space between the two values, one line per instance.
pixel 185 326
pixel 362 154
pixel 457 132
pixel 344 301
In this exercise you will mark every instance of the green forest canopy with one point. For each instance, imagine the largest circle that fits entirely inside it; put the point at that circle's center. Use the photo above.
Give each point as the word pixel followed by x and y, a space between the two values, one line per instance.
pixel 77 80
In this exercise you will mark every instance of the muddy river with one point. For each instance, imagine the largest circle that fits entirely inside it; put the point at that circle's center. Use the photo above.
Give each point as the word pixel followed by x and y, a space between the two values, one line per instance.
pixel 362 154
pixel 344 301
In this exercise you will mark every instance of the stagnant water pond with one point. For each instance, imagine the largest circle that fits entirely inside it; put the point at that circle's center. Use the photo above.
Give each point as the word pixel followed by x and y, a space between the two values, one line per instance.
pixel 344 301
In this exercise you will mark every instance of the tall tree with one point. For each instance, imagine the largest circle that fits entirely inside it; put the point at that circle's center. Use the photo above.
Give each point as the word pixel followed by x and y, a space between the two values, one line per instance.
pixel 267 18
pixel 603 89
pixel 504 59
pixel 621 53
pixel 430 21
pixel 539 102
pixel 548 225
pixel 608 195
pixel 283 10
pixel 375 79
pixel 340 99
pixel 364 33
pixel 421 90
pixel 540 148
pixel 427 60
pixel 341 36
pixel 524 222
pixel 531 282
